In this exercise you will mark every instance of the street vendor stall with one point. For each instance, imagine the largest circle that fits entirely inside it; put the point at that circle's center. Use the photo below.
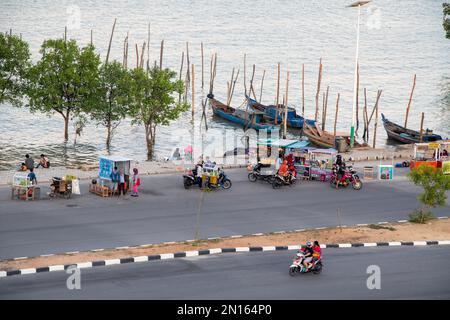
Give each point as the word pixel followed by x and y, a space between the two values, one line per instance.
pixel 315 163
pixel 23 189
pixel 434 154
pixel 272 147
pixel 103 185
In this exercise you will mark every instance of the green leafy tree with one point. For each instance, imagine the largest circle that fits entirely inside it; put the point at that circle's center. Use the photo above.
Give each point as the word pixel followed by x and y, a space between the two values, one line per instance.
pixel 113 98
pixel 153 101
pixel 64 80
pixel 434 184
pixel 446 22
pixel 14 63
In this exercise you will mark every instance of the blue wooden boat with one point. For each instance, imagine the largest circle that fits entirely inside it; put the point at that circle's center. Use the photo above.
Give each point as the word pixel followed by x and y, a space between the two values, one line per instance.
pixel 248 119
pixel 293 119
pixel 404 135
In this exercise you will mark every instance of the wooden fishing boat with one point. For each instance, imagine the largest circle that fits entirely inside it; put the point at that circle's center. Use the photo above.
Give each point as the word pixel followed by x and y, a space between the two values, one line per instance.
pixel 294 120
pixel 321 138
pixel 404 135
pixel 248 119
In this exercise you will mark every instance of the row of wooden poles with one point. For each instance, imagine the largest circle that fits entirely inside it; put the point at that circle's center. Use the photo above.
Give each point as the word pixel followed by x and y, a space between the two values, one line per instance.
pixel 190 84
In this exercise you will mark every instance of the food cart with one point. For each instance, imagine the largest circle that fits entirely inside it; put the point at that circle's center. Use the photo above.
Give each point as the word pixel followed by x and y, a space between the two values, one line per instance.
pixel 23 189
pixel 314 163
pixel 433 154
pixel 103 185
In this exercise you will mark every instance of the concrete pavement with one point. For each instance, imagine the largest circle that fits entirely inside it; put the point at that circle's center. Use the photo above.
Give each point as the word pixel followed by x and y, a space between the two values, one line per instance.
pixel 165 211
pixel 406 273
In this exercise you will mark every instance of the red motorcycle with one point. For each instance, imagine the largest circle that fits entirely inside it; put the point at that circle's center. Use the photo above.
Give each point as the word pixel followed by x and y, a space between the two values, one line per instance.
pixel 349 176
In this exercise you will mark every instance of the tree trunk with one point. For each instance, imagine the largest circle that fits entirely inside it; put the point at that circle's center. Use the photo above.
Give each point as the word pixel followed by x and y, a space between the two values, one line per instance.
pixel 109 136
pixel 66 127
pixel 150 139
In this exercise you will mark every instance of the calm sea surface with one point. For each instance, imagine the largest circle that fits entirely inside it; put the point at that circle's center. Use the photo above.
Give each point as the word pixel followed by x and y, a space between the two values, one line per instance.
pixel 398 39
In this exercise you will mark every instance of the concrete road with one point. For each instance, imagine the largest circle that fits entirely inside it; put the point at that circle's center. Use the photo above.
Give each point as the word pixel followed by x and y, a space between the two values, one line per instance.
pixel 165 211
pixel 406 273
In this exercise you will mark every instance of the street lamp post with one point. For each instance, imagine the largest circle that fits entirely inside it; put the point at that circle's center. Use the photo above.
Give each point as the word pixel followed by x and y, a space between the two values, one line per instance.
pixel 358 4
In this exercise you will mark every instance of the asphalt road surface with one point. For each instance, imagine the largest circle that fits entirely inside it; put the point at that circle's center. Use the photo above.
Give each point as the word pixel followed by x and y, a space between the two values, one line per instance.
pixel 165 211
pixel 406 273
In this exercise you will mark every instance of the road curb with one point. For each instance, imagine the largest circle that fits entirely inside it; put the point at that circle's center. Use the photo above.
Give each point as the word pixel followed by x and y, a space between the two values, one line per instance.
pixel 217 238
pixel 184 254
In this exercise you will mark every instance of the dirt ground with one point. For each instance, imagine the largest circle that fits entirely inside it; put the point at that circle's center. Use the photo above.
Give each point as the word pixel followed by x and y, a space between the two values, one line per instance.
pixel 434 230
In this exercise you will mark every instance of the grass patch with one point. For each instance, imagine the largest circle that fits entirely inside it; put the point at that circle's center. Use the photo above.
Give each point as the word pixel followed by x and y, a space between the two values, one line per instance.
pixel 377 227
pixel 421 216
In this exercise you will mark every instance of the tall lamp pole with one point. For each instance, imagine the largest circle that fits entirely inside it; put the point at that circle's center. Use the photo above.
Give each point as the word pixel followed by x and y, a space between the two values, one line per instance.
pixel 358 4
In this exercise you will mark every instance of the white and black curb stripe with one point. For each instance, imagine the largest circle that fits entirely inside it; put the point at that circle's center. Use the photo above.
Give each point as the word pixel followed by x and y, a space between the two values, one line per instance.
pixel 219 238
pixel 185 254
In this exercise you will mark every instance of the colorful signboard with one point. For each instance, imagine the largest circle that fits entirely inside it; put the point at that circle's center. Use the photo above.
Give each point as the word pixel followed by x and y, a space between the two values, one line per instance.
pixel 105 168
pixel 385 172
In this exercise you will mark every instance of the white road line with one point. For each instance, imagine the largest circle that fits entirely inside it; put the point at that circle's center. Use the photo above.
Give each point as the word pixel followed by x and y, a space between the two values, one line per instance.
pixel 269 248
pixel 84 265
pixel 215 250
pixel 242 249
pixel 345 245
pixel 394 243
pixel 2 274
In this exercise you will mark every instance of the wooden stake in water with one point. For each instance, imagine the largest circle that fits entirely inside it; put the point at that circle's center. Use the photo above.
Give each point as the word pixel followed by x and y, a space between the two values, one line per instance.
pixel 336 115
pixel 376 124
pixel 319 79
pixel 303 90
pixel 421 127
pixel 325 107
pixel 203 67
pixel 357 99
pixel 137 56
pixel 262 85
pixel 286 106
pixel 110 41
pixel 278 94
pixel 409 102
pixel 193 91
pixel 161 55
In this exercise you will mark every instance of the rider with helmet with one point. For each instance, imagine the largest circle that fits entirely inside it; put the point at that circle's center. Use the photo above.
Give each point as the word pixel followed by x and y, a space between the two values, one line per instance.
pixel 340 169
pixel 308 251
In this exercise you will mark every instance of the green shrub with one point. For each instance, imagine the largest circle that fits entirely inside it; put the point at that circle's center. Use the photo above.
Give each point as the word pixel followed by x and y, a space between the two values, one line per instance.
pixel 421 216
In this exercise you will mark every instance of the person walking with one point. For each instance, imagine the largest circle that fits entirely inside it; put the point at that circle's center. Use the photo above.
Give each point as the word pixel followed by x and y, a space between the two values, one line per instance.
pixel 121 182
pixel 115 179
pixel 136 183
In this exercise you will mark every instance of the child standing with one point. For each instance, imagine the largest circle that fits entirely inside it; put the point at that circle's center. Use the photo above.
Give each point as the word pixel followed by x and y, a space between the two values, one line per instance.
pixel 136 183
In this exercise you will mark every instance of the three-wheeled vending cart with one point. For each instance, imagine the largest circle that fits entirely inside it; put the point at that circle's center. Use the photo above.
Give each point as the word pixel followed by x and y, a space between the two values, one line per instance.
pixel 103 185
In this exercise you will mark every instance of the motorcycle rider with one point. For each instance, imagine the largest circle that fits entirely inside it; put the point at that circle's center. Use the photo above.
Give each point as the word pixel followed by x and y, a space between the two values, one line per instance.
pixel 317 250
pixel 308 251
pixel 340 169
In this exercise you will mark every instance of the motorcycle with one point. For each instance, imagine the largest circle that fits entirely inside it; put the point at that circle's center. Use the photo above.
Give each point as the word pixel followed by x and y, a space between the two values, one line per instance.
pixel 289 180
pixel 191 179
pixel 298 267
pixel 348 177
pixel 258 174
pixel 222 181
